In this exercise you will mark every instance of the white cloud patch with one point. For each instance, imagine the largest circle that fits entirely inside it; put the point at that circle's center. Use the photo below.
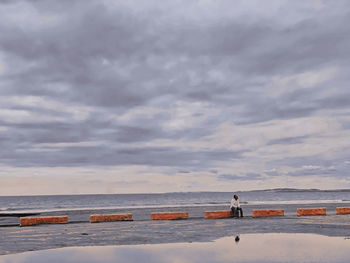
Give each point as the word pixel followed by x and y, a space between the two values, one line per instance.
pixel 25 16
pixel 184 115
pixel 19 116
pixel 76 113
pixel 306 80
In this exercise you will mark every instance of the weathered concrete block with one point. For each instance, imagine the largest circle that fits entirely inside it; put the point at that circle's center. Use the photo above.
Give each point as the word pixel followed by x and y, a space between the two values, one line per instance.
pixel 311 211
pixel 217 214
pixel 110 218
pixel 343 210
pixel 169 216
pixel 268 213
pixel 31 221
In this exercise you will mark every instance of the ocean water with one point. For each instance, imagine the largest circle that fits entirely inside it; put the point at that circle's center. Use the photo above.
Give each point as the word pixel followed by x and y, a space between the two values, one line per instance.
pixel 52 203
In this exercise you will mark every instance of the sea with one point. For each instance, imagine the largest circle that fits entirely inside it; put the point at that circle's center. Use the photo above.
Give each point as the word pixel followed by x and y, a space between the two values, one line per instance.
pixel 91 202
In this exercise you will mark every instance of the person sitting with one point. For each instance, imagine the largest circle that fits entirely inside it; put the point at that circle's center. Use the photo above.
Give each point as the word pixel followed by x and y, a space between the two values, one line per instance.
pixel 235 207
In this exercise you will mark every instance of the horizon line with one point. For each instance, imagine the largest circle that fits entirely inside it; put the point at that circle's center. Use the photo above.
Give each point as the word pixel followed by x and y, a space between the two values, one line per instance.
pixel 179 192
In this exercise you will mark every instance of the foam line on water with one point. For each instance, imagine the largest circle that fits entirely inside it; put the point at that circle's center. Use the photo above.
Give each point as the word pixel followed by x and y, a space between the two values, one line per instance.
pixel 297 202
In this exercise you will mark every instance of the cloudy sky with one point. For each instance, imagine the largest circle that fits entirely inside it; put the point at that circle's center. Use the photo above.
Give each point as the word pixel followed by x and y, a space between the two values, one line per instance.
pixel 173 95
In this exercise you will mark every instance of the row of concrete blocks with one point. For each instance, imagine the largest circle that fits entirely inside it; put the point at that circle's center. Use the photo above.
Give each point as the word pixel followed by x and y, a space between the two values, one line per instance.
pixel 29 221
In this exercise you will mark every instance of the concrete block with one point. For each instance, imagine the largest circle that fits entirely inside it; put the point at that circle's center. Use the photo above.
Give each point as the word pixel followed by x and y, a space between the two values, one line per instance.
pixel 31 221
pixel 268 213
pixel 169 216
pixel 343 210
pixel 110 218
pixel 311 211
pixel 218 214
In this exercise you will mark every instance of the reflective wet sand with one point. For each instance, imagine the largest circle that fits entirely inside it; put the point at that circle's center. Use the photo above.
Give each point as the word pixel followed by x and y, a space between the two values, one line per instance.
pixel 43 237
pixel 243 248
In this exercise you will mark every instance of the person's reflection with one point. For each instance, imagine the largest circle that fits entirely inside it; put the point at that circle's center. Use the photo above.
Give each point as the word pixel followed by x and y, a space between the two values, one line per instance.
pixel 237 239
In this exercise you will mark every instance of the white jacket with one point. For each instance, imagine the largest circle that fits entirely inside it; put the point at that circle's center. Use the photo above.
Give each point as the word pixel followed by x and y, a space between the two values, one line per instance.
pixel 234 203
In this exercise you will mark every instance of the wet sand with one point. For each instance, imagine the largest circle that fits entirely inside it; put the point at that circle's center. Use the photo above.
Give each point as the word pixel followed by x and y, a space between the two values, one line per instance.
pixel 248 248
pixel 14 239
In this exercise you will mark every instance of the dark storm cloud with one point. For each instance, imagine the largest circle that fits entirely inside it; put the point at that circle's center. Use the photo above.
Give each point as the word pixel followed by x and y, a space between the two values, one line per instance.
pixel 116 59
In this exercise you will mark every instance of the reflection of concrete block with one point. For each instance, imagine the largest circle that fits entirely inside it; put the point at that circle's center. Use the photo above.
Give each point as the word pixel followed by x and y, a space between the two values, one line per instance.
pixel 343 210
pixel 110 218
pixel 268 213
pixel 31 221
pixel 169 216
pixel 311 212
pixel 217 214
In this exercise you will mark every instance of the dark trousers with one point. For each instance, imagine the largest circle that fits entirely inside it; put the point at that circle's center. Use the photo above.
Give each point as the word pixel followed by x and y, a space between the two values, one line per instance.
pixel 235 211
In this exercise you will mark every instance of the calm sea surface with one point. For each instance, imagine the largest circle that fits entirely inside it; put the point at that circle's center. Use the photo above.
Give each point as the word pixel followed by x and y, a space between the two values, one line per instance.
pixel 11 204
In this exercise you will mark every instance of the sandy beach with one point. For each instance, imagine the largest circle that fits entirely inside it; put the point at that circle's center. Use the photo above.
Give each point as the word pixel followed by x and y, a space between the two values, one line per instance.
pixel 248 248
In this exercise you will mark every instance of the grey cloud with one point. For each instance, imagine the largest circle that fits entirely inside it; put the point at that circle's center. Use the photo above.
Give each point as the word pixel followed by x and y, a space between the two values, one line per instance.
pixel 337 167
pixel 51 132
pixel 72 55
pixel 233 177
pixel 270 109
pixel 317 171
pixel 288 140
pixel 132 134
pixel 21 143
pixel 232 46
pixel 341 101
pixel 346 124
pixel 184 172
pixel 296 162
pixel 113 155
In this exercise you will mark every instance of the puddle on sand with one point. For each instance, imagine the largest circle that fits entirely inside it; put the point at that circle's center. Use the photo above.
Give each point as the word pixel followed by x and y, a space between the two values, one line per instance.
pixel 245 248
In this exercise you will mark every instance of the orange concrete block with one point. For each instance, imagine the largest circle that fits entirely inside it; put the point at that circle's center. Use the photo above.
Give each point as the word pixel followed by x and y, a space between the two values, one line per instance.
pixel 268 213
pixel 217 214
pixel 110 218
pixel 311 212
pixel 169 216
pixel 343 210
pixel 31 221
